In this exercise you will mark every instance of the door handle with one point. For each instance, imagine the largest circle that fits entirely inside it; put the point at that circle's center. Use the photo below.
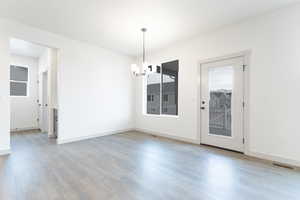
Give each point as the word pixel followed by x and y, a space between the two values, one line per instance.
pixel 202 108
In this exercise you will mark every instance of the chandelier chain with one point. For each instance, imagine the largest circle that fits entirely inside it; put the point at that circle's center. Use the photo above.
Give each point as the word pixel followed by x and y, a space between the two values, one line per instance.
pixel 144 46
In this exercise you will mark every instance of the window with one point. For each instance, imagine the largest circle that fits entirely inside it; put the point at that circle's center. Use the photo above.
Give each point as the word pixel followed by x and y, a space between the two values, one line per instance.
pixel 150 97
pixel 166 97
pixel 18 80
pixel 163 84
pixel 170 87
pixel 153 93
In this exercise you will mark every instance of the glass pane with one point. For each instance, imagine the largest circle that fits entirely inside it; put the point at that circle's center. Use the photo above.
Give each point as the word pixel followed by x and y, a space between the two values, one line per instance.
pixel 170 88
pixel 18 73
pixel 18 89
pixel 220 90
pixel 153 93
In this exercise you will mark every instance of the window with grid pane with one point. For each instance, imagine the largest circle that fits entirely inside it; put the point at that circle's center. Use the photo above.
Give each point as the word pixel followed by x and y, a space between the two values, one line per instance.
pixel 163 86
pixel 18 80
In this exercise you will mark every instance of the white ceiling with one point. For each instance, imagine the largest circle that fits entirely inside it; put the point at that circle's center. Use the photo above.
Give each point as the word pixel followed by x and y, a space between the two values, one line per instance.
pixel 115 24
pixel 23 48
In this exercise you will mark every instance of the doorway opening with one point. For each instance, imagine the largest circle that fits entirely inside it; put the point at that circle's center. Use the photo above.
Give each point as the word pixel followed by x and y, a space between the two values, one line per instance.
pixel 33 88
pixel 223 103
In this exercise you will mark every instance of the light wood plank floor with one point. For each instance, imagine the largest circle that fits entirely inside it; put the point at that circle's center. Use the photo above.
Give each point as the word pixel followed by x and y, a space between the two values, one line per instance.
pixel 137 166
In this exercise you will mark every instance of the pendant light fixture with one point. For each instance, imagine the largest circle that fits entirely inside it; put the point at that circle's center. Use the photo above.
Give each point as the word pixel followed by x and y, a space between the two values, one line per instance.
pixel 145 68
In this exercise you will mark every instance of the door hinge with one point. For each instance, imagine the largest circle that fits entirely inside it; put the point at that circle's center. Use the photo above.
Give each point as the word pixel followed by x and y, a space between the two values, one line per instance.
pixel 243 104
pixel 38 119
pixel 243 140
pixel 244 67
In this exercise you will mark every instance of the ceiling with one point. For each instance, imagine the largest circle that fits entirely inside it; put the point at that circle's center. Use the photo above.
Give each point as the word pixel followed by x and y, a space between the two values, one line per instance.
pixel 23 48
pixel 115 24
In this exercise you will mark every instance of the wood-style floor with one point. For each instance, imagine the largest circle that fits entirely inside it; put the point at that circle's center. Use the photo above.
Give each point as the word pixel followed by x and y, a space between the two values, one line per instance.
pixel 137 166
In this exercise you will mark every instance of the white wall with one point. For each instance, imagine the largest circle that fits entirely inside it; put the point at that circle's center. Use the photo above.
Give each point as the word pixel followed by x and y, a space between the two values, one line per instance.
pixel 44 61
pixel 4 93
pixel 24 110
pixel 274 40
pixel 95 87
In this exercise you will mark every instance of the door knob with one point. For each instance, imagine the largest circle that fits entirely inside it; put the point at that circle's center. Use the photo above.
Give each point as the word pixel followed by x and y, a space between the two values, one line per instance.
pixel 202 108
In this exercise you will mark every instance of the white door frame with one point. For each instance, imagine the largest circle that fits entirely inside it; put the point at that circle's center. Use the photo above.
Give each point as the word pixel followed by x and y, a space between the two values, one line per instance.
pixel 30 38
pixel 44 100
pixel 246 54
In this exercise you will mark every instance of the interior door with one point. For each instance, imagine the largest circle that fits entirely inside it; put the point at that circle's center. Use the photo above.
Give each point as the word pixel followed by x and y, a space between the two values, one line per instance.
pixel 222 104
pixel 45 102
pixel 40 101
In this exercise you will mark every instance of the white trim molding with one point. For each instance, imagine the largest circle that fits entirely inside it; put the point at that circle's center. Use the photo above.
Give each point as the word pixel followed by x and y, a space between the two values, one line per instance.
pixel 266 157
pixel 169 136
pixel 274 158
pixel 77 139
pixel 24 129
pixel 5 152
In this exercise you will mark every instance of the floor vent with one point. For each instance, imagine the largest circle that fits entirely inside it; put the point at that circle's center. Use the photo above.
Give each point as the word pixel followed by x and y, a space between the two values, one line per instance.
pixel 283 165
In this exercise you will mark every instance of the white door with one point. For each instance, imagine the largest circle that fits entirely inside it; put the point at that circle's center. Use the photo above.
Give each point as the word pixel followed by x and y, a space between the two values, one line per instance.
pixel 222 104
pixel 40 101
pixel 44 105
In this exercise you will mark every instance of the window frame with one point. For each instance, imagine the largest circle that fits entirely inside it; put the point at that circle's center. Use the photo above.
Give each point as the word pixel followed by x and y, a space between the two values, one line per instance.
pixel 14 81
pixel 161 94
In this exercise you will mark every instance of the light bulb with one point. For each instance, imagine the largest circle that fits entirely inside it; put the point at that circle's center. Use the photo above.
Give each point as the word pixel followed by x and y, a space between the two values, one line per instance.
pixel 145 65
pixel 134 68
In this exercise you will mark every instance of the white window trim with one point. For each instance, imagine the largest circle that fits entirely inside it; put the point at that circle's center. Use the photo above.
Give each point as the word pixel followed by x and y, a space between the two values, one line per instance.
pixel 161 115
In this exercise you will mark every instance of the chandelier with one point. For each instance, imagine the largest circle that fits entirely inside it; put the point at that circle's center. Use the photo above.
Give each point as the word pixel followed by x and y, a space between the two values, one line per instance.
pixel 145 68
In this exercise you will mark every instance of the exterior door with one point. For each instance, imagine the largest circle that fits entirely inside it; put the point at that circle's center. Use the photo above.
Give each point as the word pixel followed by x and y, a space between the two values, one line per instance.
pixel 222 104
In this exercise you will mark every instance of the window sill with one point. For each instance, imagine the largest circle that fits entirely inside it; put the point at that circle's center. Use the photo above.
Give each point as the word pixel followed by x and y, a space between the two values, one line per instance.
pixel 18 96
pixel 163 116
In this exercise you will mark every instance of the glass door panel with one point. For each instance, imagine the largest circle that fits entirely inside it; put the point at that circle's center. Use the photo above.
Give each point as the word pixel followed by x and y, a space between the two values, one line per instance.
pixel 220 92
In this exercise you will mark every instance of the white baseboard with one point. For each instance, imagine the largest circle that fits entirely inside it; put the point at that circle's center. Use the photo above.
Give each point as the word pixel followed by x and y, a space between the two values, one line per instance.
pixel 5 152
pixel 266 157
pixel 24 129
pixel 76 139
pixel 165 135
pixel 273 158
